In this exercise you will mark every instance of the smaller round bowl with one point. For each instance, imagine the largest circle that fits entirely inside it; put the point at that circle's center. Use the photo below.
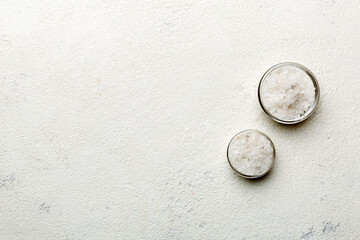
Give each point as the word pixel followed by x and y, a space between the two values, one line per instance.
pixel 261 173
pixel 312 107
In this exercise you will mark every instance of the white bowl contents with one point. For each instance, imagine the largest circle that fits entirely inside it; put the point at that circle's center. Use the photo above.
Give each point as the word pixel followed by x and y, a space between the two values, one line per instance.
pixel 251 153
pixel 287 92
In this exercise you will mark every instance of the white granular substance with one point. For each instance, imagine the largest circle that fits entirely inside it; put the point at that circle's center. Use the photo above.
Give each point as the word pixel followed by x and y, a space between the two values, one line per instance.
pixel 250 153
pixel 287 93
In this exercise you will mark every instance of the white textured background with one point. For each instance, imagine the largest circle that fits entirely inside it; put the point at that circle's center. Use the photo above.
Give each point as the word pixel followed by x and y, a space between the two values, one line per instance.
pixel 115 117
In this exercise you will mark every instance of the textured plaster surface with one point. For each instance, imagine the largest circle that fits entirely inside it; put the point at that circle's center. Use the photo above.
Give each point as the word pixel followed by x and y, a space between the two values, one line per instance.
pixel 115 117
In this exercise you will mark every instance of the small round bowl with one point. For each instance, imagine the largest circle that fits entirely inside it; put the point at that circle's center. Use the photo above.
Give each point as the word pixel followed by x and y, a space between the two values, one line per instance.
pixel 262 173
pixel 312 107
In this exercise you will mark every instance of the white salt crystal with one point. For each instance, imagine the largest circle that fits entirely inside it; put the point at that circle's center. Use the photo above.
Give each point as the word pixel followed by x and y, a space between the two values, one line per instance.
pixel 287 93
pixel 251 153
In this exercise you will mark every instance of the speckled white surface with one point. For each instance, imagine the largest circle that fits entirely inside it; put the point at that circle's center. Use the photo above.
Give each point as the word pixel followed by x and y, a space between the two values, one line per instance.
pixel 115 117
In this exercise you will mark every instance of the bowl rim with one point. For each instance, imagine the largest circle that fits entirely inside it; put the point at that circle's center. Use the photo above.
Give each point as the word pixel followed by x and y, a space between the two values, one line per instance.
pixel 310 111
pixel 246 175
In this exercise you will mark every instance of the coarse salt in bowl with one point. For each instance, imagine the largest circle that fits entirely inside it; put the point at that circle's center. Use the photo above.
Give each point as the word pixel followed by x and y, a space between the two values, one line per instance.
pixel 288 93
pixel 251 153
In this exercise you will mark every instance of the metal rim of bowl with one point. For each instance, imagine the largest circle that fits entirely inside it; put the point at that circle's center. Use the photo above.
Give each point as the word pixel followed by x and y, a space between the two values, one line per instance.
pixel 310 111
pixel 252 176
